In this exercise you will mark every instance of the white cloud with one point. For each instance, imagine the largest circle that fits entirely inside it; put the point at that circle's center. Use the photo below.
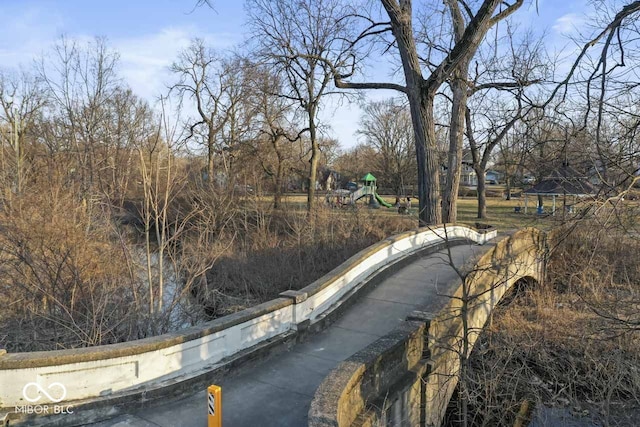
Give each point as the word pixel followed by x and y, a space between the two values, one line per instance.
pixel 568 23
pixel 31 32
pixel 26 35
pixel 144 60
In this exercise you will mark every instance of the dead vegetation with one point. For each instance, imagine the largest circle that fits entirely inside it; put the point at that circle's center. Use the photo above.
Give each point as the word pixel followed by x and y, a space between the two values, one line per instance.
pixel 72 274
pixel 278 251
pixel 65 277
pixel 571 343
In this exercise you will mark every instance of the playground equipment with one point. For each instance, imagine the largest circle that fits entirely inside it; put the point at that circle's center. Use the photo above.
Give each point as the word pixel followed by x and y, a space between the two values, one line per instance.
pixel 369 189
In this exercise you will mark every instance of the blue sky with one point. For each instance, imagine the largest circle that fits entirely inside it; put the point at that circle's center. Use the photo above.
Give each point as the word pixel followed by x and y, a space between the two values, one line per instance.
pixel 148 34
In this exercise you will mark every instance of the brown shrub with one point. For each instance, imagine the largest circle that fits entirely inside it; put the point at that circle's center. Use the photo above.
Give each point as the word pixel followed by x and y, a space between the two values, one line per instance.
pixel 278 251
pixel 573 341
pixel 73 274
pixel 63 281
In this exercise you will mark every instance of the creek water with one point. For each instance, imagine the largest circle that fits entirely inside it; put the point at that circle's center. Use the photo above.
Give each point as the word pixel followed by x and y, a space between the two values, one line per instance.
pixel 545 416
pixel 175 304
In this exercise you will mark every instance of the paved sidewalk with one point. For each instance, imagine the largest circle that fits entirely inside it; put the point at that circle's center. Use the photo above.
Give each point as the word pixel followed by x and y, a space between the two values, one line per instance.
pixel 278 390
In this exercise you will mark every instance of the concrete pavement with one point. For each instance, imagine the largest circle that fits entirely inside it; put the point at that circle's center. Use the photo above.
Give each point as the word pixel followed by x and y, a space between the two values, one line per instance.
pixel 278 390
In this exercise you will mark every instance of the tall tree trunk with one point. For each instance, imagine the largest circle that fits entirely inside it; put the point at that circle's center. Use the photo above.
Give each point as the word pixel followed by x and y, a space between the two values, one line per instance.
pixel 482 192
pixel 458 83
pixel 427 159
pixel 421 106
pixel 277 191
pixel 456 135
pixel 19 153
pixel 421 92
pixel 313 162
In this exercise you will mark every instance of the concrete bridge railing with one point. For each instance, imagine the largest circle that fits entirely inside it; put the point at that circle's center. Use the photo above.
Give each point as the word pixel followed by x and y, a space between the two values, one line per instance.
pixel 137 370
pixel 407 377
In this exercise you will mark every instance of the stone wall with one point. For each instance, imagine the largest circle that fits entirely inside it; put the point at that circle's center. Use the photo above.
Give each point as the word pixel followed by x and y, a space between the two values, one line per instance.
pixel 348 392
pixel 408 377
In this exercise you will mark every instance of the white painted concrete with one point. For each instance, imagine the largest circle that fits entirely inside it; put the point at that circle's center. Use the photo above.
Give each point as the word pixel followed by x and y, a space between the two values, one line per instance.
pixel 102 377
pixel 106 376
pixel 320 303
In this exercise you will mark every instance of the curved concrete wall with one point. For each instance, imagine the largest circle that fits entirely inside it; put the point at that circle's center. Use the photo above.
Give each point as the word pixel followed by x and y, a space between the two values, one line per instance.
pixel 522 255
pixel 364 380
pixel 407 377
pixel 108 370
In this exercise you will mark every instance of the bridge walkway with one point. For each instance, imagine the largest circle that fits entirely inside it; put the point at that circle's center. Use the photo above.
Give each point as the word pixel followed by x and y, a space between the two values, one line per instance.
pixel 278 390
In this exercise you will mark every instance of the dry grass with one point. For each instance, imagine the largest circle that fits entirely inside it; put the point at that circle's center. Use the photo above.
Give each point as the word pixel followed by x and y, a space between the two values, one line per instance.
pixel 288 250
pixel 501 212
pixel 281 250
pixel 74 276
pixel 573 342
pixel 275 251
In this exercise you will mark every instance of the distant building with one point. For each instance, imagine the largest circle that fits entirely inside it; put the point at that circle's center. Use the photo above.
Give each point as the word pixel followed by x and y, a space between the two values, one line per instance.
pixel 493 177
pixel 468 176
pixel 562 182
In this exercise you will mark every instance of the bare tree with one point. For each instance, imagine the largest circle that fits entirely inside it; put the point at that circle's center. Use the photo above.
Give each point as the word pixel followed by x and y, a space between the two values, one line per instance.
pixel 420 89
pixel 201 79
pixel 500 96
pixel 300 39
pixel 458 83
pixel 510 158
pixel 354 162
pixel 386 126
pixel 21 102
pixel 238 88
pixel 78 82
pixel 276 131
pixel 129 125
pixel 603 70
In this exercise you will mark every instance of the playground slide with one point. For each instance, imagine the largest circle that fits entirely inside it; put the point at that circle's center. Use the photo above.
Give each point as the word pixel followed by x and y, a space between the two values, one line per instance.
pixel 360 192
pixel 382 201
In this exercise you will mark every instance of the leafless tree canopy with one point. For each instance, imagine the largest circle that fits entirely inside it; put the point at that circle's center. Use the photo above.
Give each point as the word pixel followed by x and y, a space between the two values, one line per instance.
pixel 299 40
pixel 386 127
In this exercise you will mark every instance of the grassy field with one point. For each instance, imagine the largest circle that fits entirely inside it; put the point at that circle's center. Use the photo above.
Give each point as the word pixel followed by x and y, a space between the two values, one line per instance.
pixel 500 212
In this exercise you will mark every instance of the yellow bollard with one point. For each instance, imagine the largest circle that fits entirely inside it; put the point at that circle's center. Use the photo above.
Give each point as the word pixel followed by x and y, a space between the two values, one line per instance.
pixel 214 404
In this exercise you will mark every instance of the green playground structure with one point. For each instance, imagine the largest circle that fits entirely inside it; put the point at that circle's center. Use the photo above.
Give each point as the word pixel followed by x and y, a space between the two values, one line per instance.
pixel 382 201
pixel 369 189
